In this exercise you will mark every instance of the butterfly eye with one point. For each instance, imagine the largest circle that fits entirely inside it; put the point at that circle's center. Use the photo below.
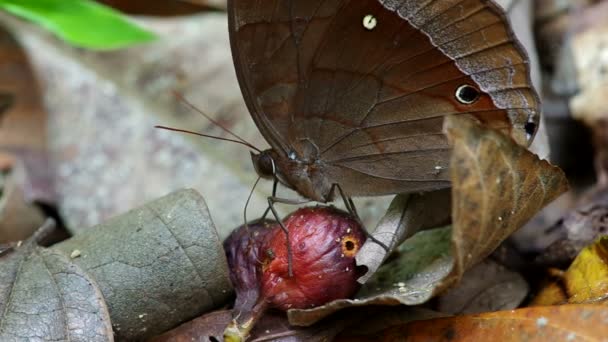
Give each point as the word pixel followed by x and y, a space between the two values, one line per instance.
pixel 370 22
pixel 264 164
pixel 467 94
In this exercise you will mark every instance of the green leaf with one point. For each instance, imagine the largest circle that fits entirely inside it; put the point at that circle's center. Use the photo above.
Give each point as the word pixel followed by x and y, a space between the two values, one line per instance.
pixel 82 23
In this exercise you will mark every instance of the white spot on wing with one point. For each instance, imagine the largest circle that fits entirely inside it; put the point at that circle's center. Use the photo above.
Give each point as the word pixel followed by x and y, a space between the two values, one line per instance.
pixel 370 22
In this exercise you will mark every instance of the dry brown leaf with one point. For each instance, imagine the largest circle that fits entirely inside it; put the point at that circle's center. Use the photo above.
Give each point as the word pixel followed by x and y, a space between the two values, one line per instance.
pixel 537 324
pixel 497 186
pixel 486 287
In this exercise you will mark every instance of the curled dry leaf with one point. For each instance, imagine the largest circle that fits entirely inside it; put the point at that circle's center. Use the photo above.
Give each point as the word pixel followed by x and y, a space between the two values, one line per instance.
pixel 44 294
pixel 497 187
pixel 536 324
pixel 585 281
pixel 157 266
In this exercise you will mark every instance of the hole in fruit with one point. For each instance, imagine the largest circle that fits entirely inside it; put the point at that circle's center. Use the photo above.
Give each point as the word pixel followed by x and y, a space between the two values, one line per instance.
pixel 349 245
pixel 213 339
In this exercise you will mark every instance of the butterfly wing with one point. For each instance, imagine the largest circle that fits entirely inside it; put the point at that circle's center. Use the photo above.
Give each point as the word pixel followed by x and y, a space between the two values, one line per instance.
pixel 363 85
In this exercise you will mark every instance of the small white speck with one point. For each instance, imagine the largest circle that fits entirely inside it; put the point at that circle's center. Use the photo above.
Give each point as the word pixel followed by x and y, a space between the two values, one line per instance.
pixel 267 331
pixel 541 322
pixel 75 254
pixel 292 155
pixel 400 284
pixel 402 290
pixel 338 240
pixel 320 276
pixel 142 316
pixel 347 269
pixel 19 243
pixel 348 230
pixel 571 336
pixel 370 22
pixel 438 167
pixel 499 218
pixel 341 255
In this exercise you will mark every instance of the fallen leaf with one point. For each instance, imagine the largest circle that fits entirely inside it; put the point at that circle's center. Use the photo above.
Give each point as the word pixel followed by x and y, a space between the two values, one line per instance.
pixel 497 186
pixel 157 266
pixel 406 215
pixel 44 294
pixel 585 281
pixel 550 323
pixel 486 287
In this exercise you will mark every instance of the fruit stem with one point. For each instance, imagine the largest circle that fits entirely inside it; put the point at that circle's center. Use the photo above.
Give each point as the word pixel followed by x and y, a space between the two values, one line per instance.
pixel 239 332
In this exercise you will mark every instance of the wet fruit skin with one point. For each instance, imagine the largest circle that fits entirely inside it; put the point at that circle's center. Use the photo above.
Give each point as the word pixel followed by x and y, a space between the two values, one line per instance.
pixel 324 243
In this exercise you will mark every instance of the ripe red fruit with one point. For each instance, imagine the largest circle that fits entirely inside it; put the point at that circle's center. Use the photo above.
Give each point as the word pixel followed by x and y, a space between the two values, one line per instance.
pixel 324 242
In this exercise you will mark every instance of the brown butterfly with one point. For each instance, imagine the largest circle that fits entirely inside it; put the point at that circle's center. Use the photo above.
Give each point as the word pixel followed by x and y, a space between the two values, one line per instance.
pixel 351 94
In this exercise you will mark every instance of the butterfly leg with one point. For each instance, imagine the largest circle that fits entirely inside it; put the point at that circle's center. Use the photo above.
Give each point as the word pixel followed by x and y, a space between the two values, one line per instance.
pixel 275 183
pixel 271 201
pixel 352 210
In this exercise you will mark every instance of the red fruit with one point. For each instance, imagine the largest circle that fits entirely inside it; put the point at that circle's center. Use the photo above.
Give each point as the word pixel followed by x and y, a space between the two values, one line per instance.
pixel 324 242
pixel 244 251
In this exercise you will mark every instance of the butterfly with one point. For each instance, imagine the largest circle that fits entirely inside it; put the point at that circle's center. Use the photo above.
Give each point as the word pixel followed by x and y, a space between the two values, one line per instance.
pixel 351 94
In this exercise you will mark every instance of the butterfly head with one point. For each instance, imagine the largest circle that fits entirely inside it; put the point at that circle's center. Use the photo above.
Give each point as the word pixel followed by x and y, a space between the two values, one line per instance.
pixel 266 164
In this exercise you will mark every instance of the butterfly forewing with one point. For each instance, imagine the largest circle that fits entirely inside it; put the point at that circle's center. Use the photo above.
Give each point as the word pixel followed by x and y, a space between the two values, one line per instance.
pixel 363 85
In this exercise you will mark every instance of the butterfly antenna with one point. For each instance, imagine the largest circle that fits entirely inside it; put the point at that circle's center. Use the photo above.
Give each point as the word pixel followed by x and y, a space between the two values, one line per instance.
pixel 209 136
pixel 248 199
pixel 194 108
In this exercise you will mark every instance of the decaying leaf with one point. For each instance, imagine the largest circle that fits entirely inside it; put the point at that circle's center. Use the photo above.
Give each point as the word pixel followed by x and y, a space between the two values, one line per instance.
pixel 574 322
pixel 157 266
pixel 486 287
pixel 585 281
pixel 497 187
pixel 44 295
